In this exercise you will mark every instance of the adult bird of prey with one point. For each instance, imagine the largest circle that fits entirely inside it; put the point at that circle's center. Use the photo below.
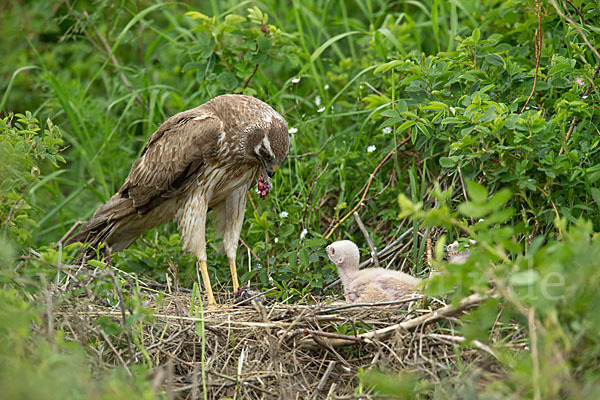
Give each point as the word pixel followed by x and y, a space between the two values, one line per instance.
pixel 202 159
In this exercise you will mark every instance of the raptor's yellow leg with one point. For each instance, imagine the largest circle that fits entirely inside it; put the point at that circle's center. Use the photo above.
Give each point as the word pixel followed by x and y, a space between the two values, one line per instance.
pixel 206 279
pixel 234 277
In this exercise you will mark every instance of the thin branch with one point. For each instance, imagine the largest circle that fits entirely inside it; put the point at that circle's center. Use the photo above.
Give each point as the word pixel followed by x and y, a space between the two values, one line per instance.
pixel 575 120
pixel 323 380
pixel 66 235
pixel 364 195
pixel 312 186
pixel 410 325
pixel 577 28
pixel 312 153
pixel 250 77
pixel 114 350
pixel 365 233
pixel 304 100
pixel 335 336
pixel 359 305
pixel 577 11
pixel 119 293
pixel 534 353
pixel 461 339
pixel 538 52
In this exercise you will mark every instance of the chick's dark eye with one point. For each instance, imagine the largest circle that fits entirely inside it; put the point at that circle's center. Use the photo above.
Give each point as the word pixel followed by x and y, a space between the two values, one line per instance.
pixel 332 250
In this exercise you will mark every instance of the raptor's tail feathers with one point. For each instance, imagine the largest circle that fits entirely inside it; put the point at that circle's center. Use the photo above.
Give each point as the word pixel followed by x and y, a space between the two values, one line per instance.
pixel 102 228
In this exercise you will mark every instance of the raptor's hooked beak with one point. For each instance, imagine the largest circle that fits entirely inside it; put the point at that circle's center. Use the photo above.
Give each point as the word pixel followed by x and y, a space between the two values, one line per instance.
pixel 271 172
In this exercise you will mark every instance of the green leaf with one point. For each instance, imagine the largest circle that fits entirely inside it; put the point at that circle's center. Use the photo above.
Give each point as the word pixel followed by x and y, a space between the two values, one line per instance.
pixel 228 80
pixel 405 125
pixel 495 59
pixel 500 198
pixel 96 264
pixel 524 278
pixel 448 162
pixel 477 193
pixel 473 210
pixel 387 66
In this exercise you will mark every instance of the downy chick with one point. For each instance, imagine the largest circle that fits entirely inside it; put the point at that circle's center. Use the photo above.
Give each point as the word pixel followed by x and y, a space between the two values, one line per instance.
pixel 371 284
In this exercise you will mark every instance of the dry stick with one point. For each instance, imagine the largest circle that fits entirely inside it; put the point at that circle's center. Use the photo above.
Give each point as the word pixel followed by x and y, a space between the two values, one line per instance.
pixel 121 301
pixel 112 347
pixel 243 324
pixel 312 153
pixel 113 58
pixel 461 339
pixel 382 303
pixel 575 119
pixel 388 249
pixel 304 100
pixel 248 247
pixel 250 77
pixel 15 208
pixel 312 185
pixel 411 324
pixel 593 49
pixel 85 32
pixel 66 235
pixel 551 203
pixel 462 183
pixel 335 336
pixel 256 296
pixel 324 379
pixel 167 340
pixel 534 353
pixel 371 177
pixel 362 228
pixel 538 52
pixel 577 11
pixel 577 28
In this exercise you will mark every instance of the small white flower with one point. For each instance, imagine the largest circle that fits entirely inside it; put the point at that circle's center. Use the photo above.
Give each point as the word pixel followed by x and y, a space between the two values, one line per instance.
pixel 318 101
pixel 320 110
pixel 303 234
pixel 283 214
pixel 292 130
pixel 387 129
pixel 276 240
pixel 371 148
pixel 326 86
pixel 526 348
pixel 296 79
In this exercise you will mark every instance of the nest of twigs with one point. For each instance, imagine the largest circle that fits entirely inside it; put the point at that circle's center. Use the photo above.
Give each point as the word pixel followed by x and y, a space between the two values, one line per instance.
pixel 264 350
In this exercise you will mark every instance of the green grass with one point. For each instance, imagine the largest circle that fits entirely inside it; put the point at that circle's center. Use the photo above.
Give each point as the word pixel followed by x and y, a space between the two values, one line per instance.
pixel 446 78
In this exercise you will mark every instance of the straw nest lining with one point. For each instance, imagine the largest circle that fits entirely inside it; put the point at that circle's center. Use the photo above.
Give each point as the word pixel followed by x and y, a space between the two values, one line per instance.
pixel 258 351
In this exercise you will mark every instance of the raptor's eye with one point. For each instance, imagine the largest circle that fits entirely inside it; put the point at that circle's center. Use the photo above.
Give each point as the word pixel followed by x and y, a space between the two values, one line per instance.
pixel 332 250
pixel 265 156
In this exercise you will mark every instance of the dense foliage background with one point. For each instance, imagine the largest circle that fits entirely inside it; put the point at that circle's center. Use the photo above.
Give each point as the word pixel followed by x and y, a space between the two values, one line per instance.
pixel 456 118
